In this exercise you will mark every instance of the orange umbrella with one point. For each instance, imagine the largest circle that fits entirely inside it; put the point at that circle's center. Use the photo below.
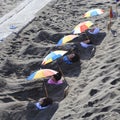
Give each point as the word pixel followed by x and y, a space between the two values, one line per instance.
pixel 82 27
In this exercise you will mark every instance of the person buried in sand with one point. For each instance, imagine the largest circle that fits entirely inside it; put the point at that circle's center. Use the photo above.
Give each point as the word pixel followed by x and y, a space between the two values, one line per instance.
pixel 43 103
pixel 86 44
pixel 71 58
pixel 94 31
pixel 56 79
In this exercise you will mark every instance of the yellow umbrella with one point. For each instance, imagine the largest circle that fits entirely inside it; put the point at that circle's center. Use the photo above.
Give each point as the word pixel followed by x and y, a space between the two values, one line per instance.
pixel 66 39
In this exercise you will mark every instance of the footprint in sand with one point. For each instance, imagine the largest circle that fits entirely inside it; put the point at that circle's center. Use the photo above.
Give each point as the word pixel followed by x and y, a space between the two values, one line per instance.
pixel 104 80
pixel 93 92
pixel 114 82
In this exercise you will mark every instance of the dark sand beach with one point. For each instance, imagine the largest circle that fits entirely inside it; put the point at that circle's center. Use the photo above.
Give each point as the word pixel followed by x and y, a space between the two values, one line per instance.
pixel 94 92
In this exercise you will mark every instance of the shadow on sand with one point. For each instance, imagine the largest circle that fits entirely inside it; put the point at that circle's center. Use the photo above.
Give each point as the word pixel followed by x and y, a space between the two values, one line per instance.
pixel 36 114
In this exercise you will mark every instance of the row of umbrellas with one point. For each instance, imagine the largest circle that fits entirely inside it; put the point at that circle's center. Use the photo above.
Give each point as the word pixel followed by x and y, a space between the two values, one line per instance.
pixel 42 73
pixel 58 53
pixel 82 27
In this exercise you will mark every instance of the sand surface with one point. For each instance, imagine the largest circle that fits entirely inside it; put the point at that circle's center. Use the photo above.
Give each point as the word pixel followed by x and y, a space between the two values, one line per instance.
pixel 7 5
pixel 94 92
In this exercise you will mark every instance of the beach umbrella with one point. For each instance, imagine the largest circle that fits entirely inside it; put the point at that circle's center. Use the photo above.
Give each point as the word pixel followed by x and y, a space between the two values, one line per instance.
pixel 82 27
pixel 53 56
pixel 66 39
pixel 42 73
pixel 93 12
pixel 110 16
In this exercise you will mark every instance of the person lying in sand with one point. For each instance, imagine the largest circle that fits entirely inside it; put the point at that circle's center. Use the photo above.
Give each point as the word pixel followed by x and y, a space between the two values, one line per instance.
pixel 56 79
pixel 43 103
pixel 71 58
pixel 86 44
pixel 90 34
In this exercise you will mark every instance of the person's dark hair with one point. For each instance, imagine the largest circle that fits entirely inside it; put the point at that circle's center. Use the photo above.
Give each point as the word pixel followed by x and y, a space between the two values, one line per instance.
pixel 47 101
pixel 76 58
pixel 58 76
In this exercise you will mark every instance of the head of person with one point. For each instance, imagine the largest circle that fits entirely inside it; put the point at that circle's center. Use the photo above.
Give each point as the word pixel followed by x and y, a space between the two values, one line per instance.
pixel 57 76
pixel 73 57
pixel 45 101
pixel 94 31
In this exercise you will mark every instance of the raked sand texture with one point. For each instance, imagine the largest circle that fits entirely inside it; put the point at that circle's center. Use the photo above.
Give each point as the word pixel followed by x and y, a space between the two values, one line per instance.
pixel 94 92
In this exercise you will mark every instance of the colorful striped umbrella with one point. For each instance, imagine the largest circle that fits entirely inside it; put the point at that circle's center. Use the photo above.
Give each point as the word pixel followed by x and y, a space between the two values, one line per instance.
pixel 82 27
pixel 53 56
pixel 93 12
pixel 66 39
pixel 42 73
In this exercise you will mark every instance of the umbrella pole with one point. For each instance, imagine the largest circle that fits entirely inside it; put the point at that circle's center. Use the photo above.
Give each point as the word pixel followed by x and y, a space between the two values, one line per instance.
pixel 61 71
pixel 86 35
pixel 47 52
pixel 45 88
pixel 67 88
pixel 110 16
pixel 109 25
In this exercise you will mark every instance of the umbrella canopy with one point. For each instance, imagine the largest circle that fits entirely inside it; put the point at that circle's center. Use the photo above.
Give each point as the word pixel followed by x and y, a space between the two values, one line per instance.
pixel 42 73
pixel 66 39
pixel 53 56
pixel 93 12
pixel 82 27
